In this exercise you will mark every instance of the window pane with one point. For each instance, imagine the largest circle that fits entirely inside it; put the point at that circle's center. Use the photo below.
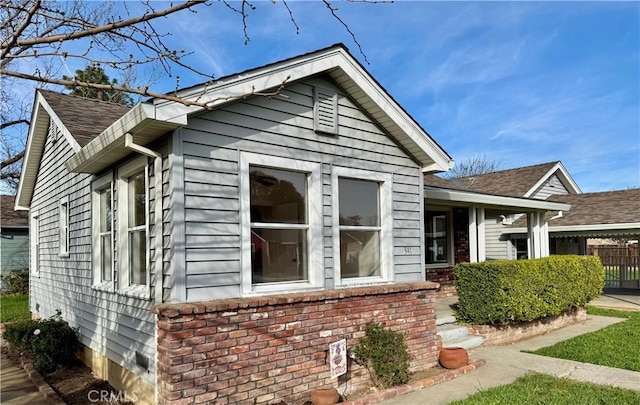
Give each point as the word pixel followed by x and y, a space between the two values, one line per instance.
pixel 278 255
pixel 436 237
pixel 137 199
pixel 277 196
pixel 105 257
pixel 359 254
pixel 105 210
pixel 138 257
pixel 358 202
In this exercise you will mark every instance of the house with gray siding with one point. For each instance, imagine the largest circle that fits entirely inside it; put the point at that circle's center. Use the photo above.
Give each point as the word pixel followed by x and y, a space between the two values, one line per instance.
pixel 300 176
pixel 14 236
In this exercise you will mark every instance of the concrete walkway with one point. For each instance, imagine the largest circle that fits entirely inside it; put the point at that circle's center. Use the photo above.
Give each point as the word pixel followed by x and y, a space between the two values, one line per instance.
pixel 505 364
pixel 625 299
pixel 15 387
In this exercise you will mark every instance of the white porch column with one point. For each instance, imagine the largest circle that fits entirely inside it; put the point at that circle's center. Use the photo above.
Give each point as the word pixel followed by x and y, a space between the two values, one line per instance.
pixel 544 229
pixel 473 236
pixel 482 253
pixel 536 235
pixel 530 238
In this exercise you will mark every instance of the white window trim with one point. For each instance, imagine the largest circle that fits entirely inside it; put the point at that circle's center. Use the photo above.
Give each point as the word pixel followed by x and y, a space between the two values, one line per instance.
pixel 450 237
pixel 97 186
pixel 122 213
pixel 34 241
pixel 314 214
pixel 386 225
pixel 63 224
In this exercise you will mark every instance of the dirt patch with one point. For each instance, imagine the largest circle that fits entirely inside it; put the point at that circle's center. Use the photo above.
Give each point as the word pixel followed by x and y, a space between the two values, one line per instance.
pixel 76 385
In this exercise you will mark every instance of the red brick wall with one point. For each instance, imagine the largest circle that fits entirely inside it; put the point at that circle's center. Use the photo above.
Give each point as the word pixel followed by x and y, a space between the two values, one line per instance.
pixel 504 335
pixel 265 349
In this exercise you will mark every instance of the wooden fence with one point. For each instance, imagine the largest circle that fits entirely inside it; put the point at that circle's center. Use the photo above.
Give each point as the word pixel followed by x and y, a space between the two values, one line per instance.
pixel 620 263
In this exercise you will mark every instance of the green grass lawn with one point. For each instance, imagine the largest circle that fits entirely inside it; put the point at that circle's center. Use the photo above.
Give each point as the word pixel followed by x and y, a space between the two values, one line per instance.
pixel 544 389
pixel 614 346
pixel 14 308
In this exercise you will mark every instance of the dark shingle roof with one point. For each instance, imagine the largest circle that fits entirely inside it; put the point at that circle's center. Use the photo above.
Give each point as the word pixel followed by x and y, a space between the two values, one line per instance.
pixel 10 218
pixel 85 118
pixel 513 182
pixel 608 207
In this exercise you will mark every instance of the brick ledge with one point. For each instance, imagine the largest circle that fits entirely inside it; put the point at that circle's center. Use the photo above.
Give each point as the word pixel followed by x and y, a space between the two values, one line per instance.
pixel 393 392
pixel 174 310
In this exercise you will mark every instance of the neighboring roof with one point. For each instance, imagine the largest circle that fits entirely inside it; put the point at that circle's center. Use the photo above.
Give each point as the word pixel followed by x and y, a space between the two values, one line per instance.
pixel 85 118
pixel 79 120
pixel 605 213
pixel 10 218
pixel 334 61
pixel 518 182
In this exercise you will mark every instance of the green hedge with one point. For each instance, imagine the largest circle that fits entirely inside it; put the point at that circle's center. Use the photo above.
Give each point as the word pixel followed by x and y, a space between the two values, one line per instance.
pixel 512 291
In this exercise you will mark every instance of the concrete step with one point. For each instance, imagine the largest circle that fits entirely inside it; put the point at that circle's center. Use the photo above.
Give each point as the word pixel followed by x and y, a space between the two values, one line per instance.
pixel 450 332
pixel 445 320
pixel 468 342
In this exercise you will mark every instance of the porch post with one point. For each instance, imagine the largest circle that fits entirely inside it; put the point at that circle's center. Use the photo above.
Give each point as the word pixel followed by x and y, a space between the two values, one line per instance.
pixel 530 239
pixel 544 248
pixel 482 253
pixel 473 236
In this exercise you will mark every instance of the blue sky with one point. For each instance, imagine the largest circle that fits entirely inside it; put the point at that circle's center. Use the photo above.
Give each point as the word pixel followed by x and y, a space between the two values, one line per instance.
pixel 520 82
pixel 523 83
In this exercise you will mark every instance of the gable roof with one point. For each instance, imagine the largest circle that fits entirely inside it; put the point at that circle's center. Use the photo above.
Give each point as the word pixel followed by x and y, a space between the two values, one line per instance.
pixel 520 181
pixel 603 213
pixel 10 218
pixel 148 121
pixel 79 119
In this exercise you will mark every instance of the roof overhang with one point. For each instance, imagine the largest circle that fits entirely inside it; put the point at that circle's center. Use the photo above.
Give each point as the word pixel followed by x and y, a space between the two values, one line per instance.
pixel 41 115
pixel 347 72
pixel 109 146
pixel 591 231
pixel 514 204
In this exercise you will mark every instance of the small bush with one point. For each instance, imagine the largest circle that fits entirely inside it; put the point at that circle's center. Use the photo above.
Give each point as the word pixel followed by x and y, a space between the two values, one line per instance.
pixel 16 282
pixel 50 343
pixel 385 354
pixel 512 291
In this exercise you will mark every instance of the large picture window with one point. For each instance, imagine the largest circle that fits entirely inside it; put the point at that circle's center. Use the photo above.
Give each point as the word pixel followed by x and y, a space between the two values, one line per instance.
pixel 281 224
pixel 437 236
pixel 362 226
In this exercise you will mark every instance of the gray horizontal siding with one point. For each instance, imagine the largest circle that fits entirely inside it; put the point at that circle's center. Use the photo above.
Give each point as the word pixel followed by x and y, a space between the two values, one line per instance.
pixel 111 324
pixel 552 186
pixel 282 127
pixel 14 248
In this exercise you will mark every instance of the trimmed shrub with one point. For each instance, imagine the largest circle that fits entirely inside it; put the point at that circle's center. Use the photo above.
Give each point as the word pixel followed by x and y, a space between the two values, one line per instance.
pixel 513 291
pixel 50 343
pixel 16 282
pixel 385 354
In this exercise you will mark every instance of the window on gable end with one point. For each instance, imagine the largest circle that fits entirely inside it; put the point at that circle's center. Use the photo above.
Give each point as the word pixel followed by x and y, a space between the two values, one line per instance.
pixel 325 110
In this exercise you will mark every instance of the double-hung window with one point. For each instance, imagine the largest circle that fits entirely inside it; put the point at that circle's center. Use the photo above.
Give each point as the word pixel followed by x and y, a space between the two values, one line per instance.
pixel 281 224
pixel 133 229
pixel 102 218
pixel 362 226
pixel 437 237
pixel 63 218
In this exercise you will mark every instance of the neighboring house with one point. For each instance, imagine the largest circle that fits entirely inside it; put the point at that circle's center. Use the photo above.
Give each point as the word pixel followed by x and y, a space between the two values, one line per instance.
pixel 14 236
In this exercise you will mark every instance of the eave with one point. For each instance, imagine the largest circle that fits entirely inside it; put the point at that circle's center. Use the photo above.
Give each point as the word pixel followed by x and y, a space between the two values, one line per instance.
pixel 109 146
pixel 594 230
pixel 515 204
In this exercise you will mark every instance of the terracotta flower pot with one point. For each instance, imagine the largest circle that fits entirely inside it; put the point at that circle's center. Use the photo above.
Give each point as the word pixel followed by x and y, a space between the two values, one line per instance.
pixel 325 396
pixel 453 357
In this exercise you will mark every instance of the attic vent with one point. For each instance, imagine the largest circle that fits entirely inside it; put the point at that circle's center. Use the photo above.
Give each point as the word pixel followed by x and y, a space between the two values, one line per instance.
pixel 325 110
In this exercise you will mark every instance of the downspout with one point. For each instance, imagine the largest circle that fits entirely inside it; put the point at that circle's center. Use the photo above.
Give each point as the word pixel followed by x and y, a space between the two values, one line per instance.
pixel 157 174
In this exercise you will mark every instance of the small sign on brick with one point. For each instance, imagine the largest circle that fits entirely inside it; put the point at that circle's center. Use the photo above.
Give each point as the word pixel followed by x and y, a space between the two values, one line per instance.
pixel 338 358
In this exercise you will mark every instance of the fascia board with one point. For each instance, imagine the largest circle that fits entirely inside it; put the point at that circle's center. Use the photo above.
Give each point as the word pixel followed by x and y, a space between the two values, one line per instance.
pixel 624 228
pixel 486 199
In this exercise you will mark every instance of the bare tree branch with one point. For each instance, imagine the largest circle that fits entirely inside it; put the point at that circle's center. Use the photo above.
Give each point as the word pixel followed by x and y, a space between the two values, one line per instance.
pixel 11 160
pixel 12 123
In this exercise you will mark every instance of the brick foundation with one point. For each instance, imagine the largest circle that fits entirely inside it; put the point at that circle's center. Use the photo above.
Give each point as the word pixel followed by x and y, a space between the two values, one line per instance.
pixel 503 335
pixel 444 277
pixel 266 349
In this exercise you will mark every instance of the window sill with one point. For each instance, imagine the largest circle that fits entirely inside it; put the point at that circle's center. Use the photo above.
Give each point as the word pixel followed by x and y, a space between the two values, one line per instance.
pixel 270 289
pixel 64 255
pixel 139 291
pixel 104 287
pixel 361 282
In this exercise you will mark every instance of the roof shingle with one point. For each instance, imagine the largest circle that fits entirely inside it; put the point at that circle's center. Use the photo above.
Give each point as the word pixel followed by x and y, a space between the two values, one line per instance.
pixel 10 218
pixel 512 182
pixel 85 118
